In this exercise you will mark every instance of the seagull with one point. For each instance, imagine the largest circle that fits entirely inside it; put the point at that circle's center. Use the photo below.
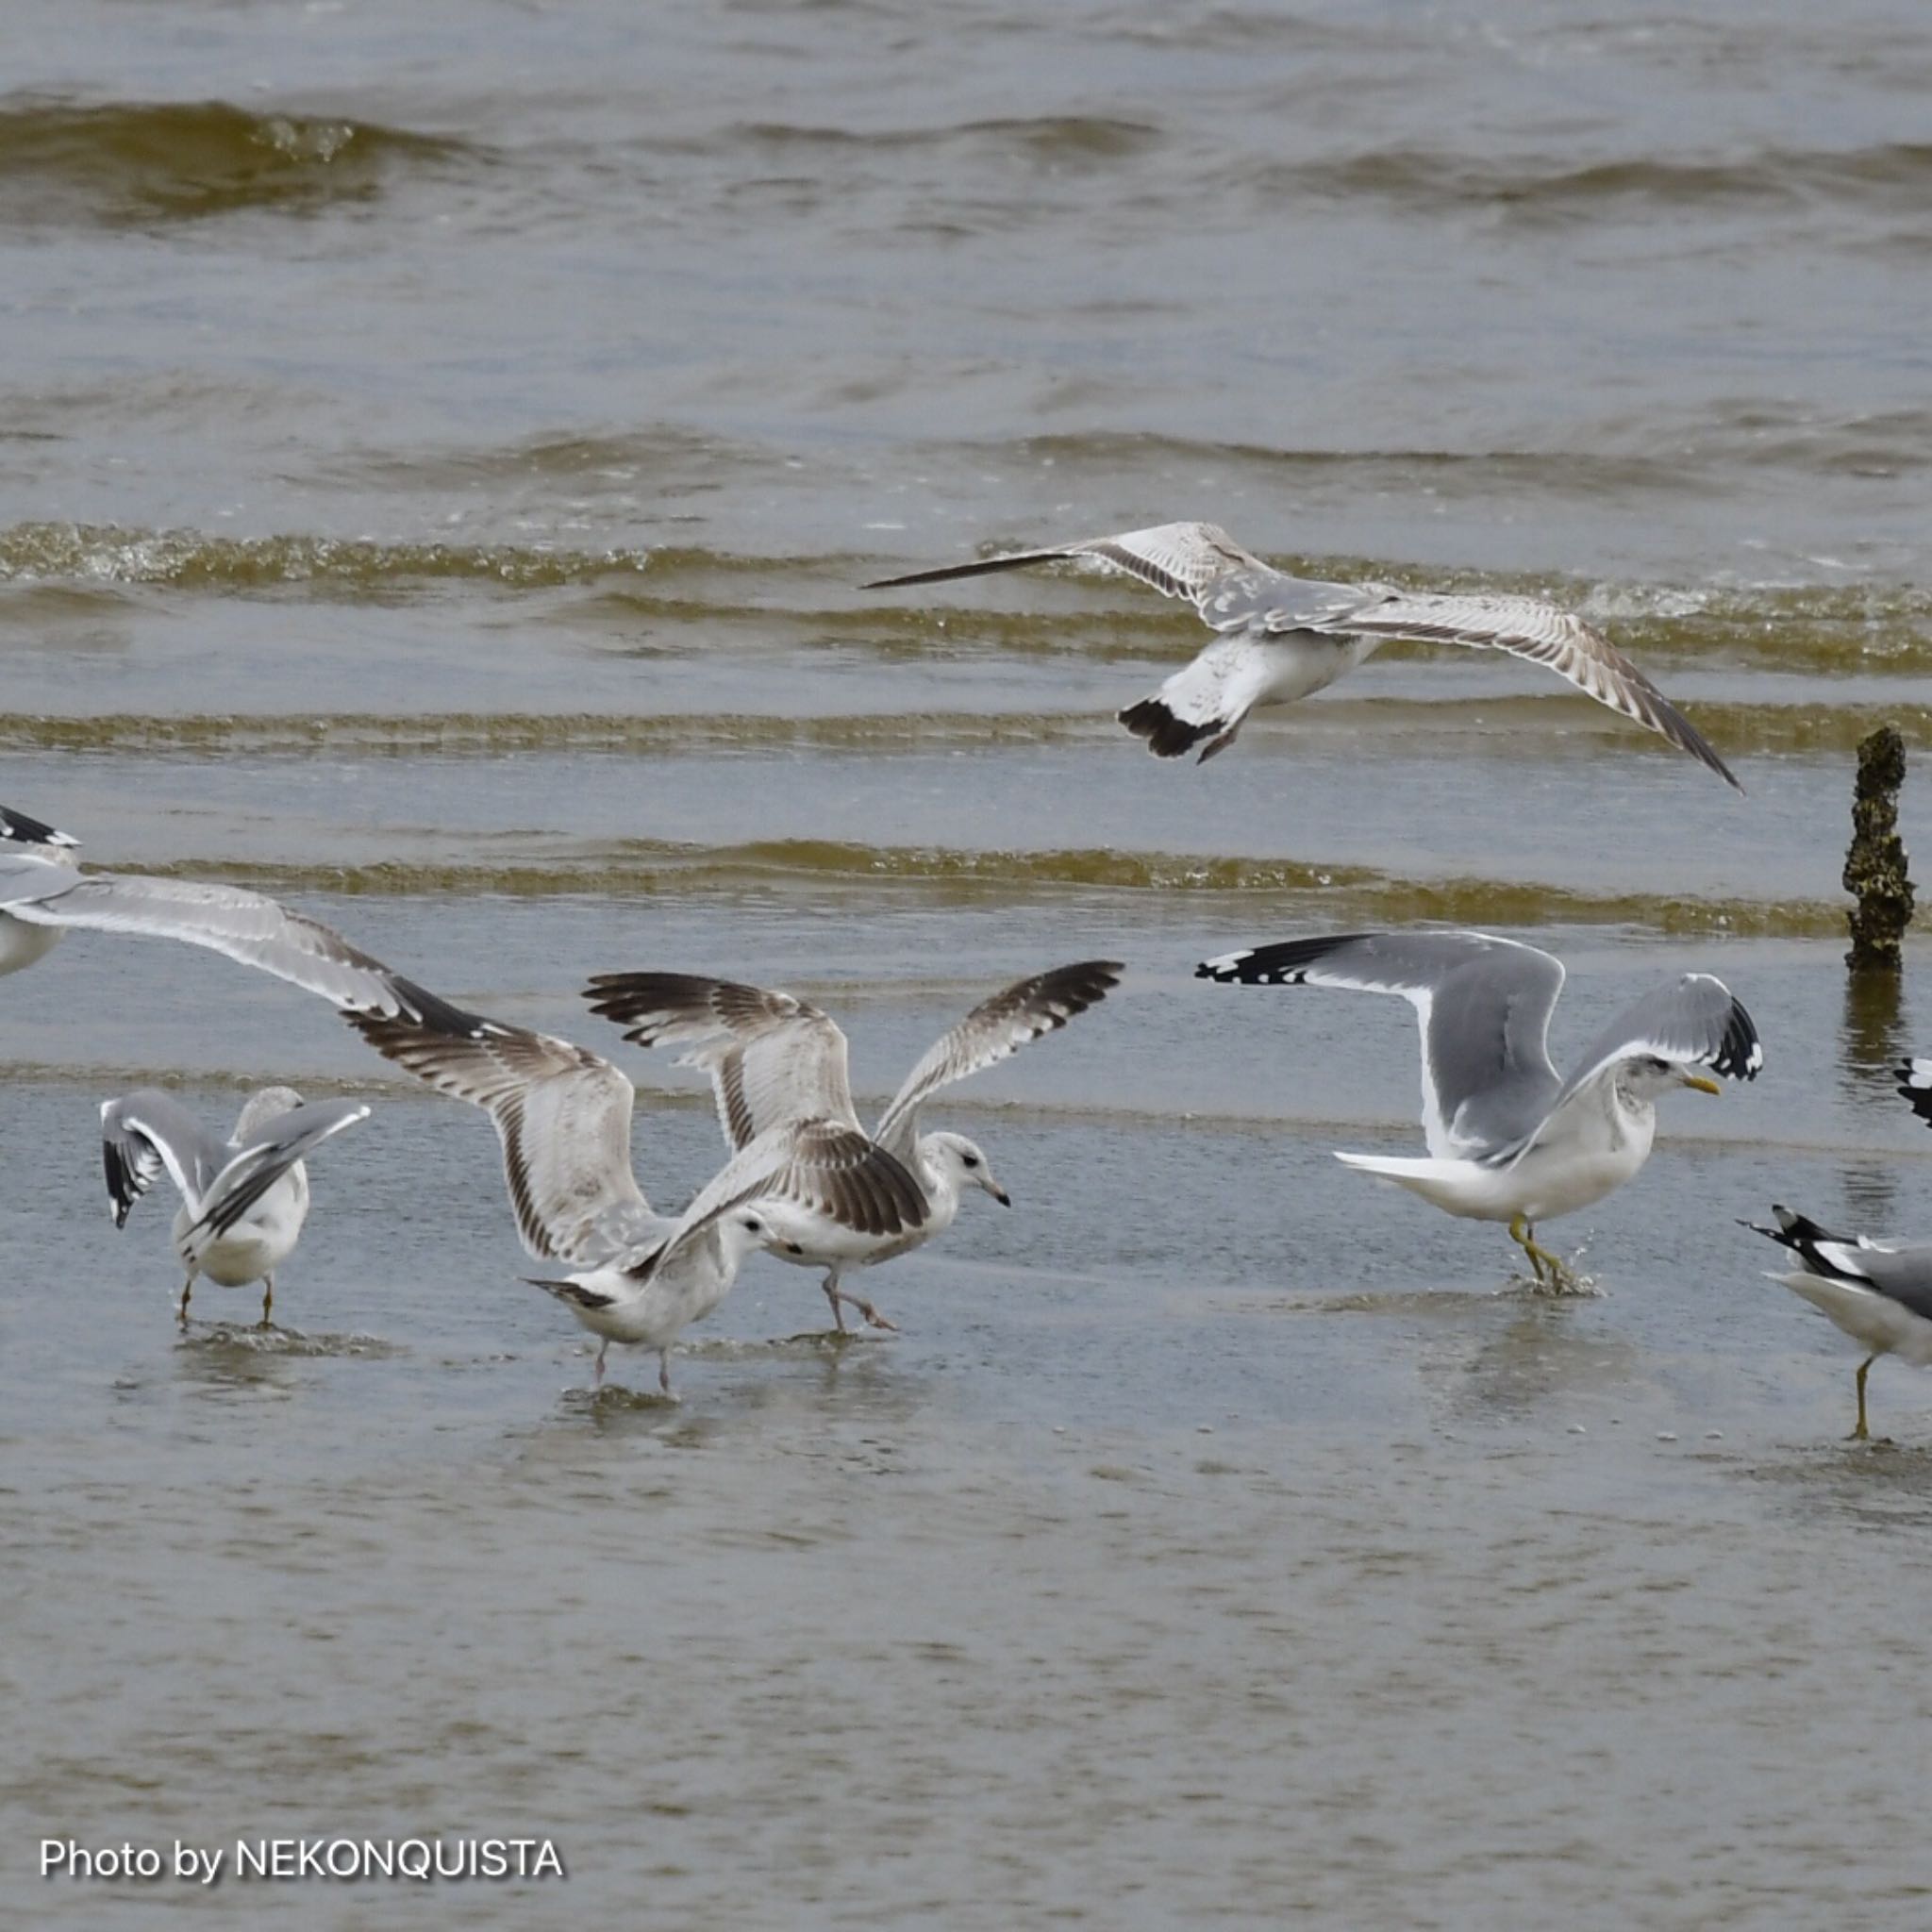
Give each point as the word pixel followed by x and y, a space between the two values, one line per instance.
pixel 1280 638
pixel 244 1200
pixel 1508 1140
pixel 1879 1293
pixel 563 1117
pixel 43 893
pixel 777 1064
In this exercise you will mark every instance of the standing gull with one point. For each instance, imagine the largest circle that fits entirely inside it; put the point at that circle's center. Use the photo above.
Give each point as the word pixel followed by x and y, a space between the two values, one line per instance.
pixel 1508 1138
pixel 244 1200
pixel 43 893
pixel 563 1117
pixel 778 1064
pixel 1281 637
pixel 1878 1293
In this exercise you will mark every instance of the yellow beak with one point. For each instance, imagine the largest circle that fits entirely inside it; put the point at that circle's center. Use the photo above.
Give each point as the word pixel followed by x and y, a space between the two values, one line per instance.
pixel 1701 1085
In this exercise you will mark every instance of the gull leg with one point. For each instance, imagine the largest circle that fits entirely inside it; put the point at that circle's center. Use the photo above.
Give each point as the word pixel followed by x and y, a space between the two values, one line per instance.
pixel 664 1369
pixel 1862 1434
pixel 268 1299
pixel 830 1284
pixel 597 1373
pixel 187 1290
pixel 1524 1236
pixel 872 1315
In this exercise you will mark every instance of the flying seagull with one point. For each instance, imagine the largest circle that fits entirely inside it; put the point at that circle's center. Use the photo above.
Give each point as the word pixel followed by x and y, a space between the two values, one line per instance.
pixel 563 1117
pixel 1509 1139
pixel 1280 638
pixel 43 893
pixel 244 1200
pixel 778 1065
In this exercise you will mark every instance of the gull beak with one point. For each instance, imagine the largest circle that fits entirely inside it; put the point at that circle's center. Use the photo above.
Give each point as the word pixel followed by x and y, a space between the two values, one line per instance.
pixel 1701 1084
pixel 999 1195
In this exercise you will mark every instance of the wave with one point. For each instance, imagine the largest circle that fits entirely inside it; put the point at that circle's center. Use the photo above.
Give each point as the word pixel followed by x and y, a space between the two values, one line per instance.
pixel 1894 176
pixel 1457 726
pixel 126 162
pixel 1329 892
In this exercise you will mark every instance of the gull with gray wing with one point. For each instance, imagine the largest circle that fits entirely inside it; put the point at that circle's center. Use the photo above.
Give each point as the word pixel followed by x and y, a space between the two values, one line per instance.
pixel 1508 1138
pixel 44 895
pixel 778 1066
pixel 244 1200
pixel 1878 1293
pixel 1280 638
pixel 563 1117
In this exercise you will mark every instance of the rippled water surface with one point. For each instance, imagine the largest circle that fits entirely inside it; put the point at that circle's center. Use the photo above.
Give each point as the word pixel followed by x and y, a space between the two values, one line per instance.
pixel 439 448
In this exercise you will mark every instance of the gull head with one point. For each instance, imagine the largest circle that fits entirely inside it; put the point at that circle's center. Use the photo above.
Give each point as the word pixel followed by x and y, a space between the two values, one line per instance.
pixel 964 1163
pixel 748 1230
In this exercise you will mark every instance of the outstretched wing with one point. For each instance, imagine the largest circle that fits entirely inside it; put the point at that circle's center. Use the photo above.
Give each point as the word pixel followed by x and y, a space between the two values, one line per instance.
pixel 262 1159
pixel 231 920
pixel 143 1133
pixel 773 1060
pixel 1526 627
pixel 1177 560
pixel 562 1115
pixel 1695 1022
pixel 994 1030
pixel 1484 1004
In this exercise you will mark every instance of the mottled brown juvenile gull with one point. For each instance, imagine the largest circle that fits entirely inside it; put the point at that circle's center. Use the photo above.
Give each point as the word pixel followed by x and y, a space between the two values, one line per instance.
pixel 563 1117
pixel 778 1063
pixel 1508 1138
pixel 1281 637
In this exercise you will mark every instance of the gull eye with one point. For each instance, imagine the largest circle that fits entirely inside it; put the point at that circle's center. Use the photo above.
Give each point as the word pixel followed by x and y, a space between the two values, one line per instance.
pixel 970 1159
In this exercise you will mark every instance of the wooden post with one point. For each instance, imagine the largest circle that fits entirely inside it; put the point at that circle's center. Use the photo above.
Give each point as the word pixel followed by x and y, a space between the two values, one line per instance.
pixel 1875 873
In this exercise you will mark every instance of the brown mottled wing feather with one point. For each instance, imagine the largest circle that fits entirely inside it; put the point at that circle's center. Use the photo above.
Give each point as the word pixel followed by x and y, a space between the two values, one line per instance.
pixel 1526 627
pixel 993 1031
pixel 773 1060
pixel 562 1115
pixel 828 1170
pixel 1177 560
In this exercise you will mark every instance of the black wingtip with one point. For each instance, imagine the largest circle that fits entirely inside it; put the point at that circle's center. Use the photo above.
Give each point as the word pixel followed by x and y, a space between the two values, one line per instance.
pixel 1914 1079
pixel 1167 736
pixel 25 830
pixel 1279 964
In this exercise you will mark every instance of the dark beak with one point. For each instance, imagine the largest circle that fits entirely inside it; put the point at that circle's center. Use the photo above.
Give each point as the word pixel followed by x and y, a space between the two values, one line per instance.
pixel 1005 1199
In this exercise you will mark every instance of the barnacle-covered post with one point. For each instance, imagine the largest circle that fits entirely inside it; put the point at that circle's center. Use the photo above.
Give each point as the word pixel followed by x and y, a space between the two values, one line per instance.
pixel 1875 873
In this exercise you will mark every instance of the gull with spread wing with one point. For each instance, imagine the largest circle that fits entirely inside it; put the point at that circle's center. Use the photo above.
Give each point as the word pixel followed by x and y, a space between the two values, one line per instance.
pixel 1280 638
pixel 1877 1292
pixel 563 1117
pixel 43 894
pixel 244 1200
pixel 778 1065
pixel 1509 1139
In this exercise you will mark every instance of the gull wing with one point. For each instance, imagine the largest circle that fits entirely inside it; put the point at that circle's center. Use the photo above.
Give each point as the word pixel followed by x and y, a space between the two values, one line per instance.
pixel 1900 1271
pixel 773 1060
pixel 1915 1083
pixel 1185 560
pixel 1484 1004
pixel 18 828
pixel 562 1115
pixel 822 1167
pixel 141 1133
pixel 267 1153
pixel 1528 628
pixel 1695 1021
pixel 229 920
pixel 994 1030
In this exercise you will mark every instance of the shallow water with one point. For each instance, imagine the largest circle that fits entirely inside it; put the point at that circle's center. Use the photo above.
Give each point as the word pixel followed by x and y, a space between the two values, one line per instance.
pixel 438 447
